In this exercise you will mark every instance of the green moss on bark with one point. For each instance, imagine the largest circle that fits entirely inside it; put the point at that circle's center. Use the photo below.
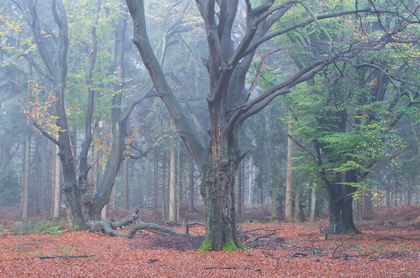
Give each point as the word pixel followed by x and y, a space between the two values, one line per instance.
pixel 229 246
pixel 205 246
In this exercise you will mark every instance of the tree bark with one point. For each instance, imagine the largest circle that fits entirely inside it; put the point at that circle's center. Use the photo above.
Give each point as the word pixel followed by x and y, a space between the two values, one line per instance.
pixel 240 189
pixel 172 187
pixel 155 187
pixel 25 194
pixel 125 186
pixel 288 214
pixel 57 177
pixel 191 188
pixel 164 203
pixel 37 174
pixel 297 203
pixel 313 203
pixel 341 210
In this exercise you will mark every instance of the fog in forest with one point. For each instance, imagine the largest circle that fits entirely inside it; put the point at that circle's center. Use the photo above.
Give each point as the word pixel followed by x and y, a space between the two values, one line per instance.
pixel 238 110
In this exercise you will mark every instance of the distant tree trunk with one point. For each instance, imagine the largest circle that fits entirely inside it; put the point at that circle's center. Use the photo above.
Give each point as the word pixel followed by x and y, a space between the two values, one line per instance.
pixel 36 176
pixel 53 161
pixel 155 187
pixel 273 169
pixel 242 197
pixel 191 187
pixel 164 203
pixel 250 182
pixel 95 168
pixel 178 181
pixel 25 194
pixel 172 187
pixel 57 189
pixel 288 213
pixel 359 209
pixel 313 203
pixel 297 202
pixel 125 185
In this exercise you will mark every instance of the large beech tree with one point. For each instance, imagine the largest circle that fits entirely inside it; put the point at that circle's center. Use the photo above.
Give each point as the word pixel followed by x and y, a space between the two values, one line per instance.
pixel 229 102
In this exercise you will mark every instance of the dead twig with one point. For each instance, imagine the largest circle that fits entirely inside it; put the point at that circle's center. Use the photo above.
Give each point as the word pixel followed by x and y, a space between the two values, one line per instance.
pixel 64 256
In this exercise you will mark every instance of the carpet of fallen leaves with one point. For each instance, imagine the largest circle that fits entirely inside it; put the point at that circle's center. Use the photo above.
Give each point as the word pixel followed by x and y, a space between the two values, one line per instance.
pixel 303 252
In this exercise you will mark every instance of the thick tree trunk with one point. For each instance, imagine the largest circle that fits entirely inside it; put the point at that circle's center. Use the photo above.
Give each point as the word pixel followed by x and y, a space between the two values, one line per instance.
pixel 341 209
pixel 219 207
pixel 218 192
pixel 240 189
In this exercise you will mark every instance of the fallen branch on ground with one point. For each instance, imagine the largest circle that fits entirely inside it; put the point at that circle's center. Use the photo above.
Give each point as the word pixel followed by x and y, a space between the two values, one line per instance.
pixel 64 256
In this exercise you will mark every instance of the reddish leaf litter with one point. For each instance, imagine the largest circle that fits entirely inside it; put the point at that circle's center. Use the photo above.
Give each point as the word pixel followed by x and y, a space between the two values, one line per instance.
pixel 280 250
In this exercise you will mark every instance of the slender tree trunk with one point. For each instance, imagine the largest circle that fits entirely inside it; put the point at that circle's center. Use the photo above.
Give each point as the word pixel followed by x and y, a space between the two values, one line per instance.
pixel 288 214
pixel 297 202
pixel 57 189
pixel 172 187
pixel 53 161
pixel 155 187
pixel 125 185
pixel 241 215
pixel 313 203
pixel 178 181
pixel 36 175
pixel 250 175
pixel 25 195
pixel 191 187
pixel 164 203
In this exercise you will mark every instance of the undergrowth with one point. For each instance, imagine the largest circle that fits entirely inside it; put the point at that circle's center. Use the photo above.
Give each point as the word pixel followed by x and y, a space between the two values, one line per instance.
pixel 52 227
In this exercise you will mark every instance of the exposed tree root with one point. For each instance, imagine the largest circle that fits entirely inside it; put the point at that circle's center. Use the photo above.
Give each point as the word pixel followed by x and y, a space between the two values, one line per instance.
pixel 109 227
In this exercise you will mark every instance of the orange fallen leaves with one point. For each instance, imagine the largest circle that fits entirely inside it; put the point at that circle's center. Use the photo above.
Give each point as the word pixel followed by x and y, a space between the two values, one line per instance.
pixel 119 257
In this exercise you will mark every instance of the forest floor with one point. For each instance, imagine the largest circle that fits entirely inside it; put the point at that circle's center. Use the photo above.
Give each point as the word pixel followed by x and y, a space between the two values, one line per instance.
pixel 279 250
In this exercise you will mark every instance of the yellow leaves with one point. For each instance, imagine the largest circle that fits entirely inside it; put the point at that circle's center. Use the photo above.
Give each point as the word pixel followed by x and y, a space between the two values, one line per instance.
pixel 373 82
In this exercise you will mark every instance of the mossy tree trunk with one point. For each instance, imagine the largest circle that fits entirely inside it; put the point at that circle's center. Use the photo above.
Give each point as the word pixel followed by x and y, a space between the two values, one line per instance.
pixel 218 192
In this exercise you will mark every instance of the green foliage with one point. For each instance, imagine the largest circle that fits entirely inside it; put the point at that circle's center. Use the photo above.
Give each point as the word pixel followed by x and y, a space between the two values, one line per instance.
pixel 52 227
pixel 10 188
pixel 25 228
